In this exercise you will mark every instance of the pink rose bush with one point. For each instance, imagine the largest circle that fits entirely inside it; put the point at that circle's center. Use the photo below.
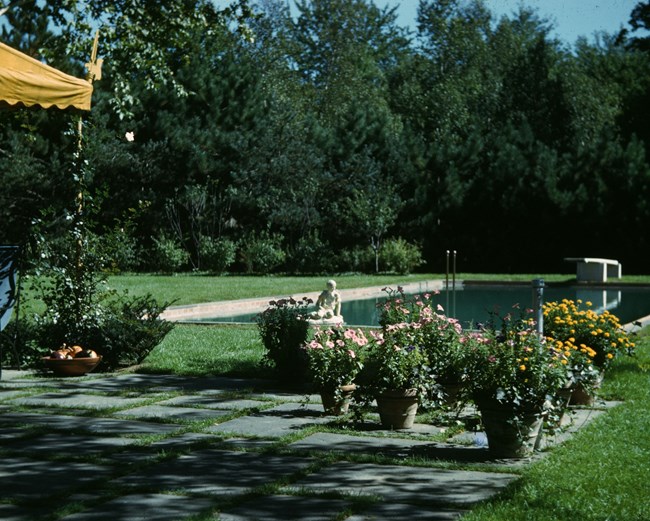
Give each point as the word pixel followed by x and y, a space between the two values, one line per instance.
pixel 335 356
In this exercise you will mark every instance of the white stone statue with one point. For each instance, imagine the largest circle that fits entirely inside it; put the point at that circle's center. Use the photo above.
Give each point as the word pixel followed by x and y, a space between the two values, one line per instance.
pixel 328 306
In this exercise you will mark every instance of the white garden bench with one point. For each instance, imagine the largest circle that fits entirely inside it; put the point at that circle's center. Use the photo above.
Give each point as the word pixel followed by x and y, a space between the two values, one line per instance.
pixel 596 270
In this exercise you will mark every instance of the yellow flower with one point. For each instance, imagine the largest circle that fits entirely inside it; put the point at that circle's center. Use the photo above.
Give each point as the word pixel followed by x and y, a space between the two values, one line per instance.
pixel 522 367
pixel 610 355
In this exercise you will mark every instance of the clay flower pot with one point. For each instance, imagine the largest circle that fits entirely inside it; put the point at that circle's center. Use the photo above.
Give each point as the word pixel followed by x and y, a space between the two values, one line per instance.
pixel 337 403
pixel 397 409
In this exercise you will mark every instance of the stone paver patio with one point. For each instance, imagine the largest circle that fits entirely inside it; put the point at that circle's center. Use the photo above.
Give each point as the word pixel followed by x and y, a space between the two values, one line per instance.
pixel 121 448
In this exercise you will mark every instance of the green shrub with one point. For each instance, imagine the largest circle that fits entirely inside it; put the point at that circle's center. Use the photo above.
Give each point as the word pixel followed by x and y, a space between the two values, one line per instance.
pixel 122 251
pixel 167 255
pixel 283 328
pixel 80 308
pixel 19 346
pixel 132 328
pixel 123 331
pixel 217 255
pixel 399 256
pixel 356 260
pixel 311 255
pixel 261 253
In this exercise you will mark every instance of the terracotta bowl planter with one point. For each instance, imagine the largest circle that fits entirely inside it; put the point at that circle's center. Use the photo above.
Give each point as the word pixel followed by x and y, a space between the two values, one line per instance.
pixel 71 366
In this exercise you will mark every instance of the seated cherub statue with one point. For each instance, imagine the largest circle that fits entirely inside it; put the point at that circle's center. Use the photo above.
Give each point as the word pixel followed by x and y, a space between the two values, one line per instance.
pixel 328 305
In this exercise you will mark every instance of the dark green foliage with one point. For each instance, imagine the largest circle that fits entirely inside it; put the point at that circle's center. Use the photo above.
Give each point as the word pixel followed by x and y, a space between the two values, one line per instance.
pixel 312 255
pixel 217 255
pixel 308 140
pixel 283 328
pixel 261 253
pixel 397 255
pixel 20 347
pixel 123 251
pixel 124 330
pixel 166 255
pixel 130 330
pixel 358 259
pixel 80 309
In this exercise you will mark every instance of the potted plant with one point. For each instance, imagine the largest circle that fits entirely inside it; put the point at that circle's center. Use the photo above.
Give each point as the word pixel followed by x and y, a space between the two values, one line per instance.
pixel 589 341
pixel 512 374
pixel 440 337
pixel 283 329
pixel 335 357
pixel 396 373
pixel 576 322
pixel 443 345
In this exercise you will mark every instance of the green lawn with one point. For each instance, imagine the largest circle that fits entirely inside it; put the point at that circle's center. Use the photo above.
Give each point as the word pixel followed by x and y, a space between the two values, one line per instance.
pixel 195 289
pixel 208 349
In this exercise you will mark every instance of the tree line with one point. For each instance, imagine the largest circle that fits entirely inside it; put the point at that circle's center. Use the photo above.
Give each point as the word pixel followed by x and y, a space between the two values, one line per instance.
pixel 331 139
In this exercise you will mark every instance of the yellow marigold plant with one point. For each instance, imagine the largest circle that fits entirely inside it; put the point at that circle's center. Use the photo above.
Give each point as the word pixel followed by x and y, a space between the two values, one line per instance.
pixel 585 336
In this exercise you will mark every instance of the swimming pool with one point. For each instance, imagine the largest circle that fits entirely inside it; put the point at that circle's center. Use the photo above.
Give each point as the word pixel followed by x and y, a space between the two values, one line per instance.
pixel 472 304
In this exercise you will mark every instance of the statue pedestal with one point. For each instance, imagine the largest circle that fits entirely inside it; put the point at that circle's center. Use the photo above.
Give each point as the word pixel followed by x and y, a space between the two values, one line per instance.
pixel 334 321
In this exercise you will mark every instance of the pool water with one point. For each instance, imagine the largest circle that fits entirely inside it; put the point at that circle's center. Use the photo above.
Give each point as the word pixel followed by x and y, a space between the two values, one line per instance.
pixel 472 304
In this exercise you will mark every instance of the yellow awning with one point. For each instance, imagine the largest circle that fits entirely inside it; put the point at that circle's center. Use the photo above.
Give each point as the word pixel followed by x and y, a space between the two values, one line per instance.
pixel 24 80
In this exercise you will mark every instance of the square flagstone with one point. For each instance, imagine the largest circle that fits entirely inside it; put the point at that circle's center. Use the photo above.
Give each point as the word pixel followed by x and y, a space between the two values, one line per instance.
pixel 79 400
pixel 470 439
pixel 575 419
pixel 26 478
pixel 280 396
pixel 214 402
pixel 22 512
pixel 276 422
pixel 330 442
pixel 27 384
pixel 76 445
pixel 6 394
pixel 144 507
pixel 8 434
pixel 247 443
pixel 142 382
pixel 393 447
pixel 281 508
pixel 215 471
pixel 373 424
pixel 172 413
pixel 150 451
pixel 409 484
pixel 99 425
pixel 390 511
